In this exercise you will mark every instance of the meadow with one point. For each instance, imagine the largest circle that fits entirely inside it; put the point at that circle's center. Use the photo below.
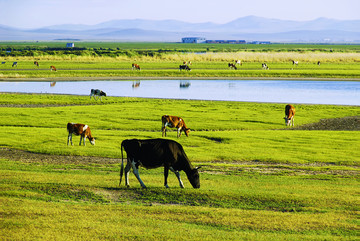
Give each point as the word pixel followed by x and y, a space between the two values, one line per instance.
pixel 259 179
pixel 162 60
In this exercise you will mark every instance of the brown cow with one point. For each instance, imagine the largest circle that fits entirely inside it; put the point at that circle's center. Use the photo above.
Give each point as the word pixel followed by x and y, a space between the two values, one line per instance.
pixel 135 66
pixel 52 67
pixel 174 122
pixel 289 115
pixel 82 130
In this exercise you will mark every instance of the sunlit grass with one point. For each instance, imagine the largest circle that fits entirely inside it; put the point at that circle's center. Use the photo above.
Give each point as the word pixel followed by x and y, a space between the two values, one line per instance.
pixel 333 65
pixel 259 179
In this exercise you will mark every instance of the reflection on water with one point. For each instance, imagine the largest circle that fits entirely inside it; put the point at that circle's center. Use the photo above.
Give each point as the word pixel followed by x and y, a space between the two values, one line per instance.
pixel 184 84
pixel 317 92
pixel 136 84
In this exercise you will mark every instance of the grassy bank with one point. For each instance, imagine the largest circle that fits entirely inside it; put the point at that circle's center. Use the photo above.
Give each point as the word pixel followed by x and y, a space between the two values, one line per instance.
pixel 208 64
pixel 259 180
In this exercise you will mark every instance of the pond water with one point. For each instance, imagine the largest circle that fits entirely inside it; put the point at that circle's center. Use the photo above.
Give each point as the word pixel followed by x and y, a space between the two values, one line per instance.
pixel 278 91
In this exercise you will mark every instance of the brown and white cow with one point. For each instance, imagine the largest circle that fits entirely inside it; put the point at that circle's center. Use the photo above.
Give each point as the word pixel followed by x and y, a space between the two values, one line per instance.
pixel 80 130
pixel 52 67
pixel 135 66
pixel 289 115
pixel 174 122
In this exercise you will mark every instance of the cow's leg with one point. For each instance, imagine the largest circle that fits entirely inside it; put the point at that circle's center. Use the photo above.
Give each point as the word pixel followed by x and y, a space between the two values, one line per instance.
pixel 82 138
pixel 127 171
pixel 69 139
pixel 178 177
pixel 179 132
pixel 163 129
pixel 136 173
pixel 166 174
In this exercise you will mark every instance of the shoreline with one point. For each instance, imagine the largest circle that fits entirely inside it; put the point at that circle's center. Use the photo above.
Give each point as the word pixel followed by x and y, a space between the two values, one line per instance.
pixel 125 78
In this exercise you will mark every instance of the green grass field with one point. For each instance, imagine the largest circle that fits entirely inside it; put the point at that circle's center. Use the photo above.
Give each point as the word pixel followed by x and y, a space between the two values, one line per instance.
pixel 105 59
pixel 259 179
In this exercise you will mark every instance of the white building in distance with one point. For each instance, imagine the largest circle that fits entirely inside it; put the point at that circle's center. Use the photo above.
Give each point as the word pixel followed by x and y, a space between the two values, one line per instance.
pixel 195 40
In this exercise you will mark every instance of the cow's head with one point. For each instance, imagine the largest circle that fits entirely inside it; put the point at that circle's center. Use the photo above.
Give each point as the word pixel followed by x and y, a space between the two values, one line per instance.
pixel 102 93
pixel 92 140
pixel 186 131
pixel 194 177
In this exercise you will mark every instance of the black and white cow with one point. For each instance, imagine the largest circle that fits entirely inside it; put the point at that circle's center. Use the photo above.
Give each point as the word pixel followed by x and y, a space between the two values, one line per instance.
pixel 264 66
pixel 98 93
pixel 153 153
pixel 184 67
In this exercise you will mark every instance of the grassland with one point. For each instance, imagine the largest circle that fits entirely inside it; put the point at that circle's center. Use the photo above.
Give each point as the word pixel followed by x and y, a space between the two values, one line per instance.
pixel 259 180
pixel 163 59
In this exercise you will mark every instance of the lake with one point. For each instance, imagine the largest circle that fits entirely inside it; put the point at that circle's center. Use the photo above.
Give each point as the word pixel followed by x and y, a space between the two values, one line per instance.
pixel 277 91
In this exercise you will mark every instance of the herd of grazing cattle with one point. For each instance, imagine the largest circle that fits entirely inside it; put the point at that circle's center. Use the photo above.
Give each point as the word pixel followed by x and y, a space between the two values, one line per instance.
pixel 153 153
pixel 184 66
pixel 233 65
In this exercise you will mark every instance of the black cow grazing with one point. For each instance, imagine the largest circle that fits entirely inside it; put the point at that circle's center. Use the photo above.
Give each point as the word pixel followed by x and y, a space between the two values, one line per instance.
pixel 184 67
pixel 153 153
pixel 232 66
pixel 14 64
pixel 98 93
pixel 318 63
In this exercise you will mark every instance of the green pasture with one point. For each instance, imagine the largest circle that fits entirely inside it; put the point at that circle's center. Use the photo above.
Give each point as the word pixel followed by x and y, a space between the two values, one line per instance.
pixel 114 59
pixel 239 127
pixel 259 179
pixel 183 47
pixel 70 69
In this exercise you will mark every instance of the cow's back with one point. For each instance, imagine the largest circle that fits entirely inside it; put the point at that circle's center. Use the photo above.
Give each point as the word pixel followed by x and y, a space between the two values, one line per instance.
pixel 175 121
pixel 77 129
pixel 157 152
pixel 289 110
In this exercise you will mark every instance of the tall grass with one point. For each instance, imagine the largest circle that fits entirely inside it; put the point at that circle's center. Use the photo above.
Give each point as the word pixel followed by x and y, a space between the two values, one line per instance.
pixel 276 57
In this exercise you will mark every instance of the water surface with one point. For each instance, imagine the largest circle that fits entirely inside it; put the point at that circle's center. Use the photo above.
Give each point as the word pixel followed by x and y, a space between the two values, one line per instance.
pixel 281 91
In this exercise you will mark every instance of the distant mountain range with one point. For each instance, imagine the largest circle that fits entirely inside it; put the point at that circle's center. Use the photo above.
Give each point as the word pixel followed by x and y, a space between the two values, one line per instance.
pixel 251 28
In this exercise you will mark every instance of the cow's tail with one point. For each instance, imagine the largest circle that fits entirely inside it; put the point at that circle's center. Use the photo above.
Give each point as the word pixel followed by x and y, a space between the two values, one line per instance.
pixel 122 164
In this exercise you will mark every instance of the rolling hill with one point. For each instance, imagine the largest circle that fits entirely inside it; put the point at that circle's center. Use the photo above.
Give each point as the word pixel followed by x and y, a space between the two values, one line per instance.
pixel 248 28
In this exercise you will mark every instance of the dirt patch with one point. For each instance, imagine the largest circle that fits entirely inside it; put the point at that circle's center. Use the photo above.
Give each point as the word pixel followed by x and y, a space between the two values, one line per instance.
pixel 214 167
pixel 25 156
pixel 350 123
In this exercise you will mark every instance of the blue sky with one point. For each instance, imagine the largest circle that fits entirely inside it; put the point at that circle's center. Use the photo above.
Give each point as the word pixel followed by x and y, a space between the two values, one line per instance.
pixel 40 13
